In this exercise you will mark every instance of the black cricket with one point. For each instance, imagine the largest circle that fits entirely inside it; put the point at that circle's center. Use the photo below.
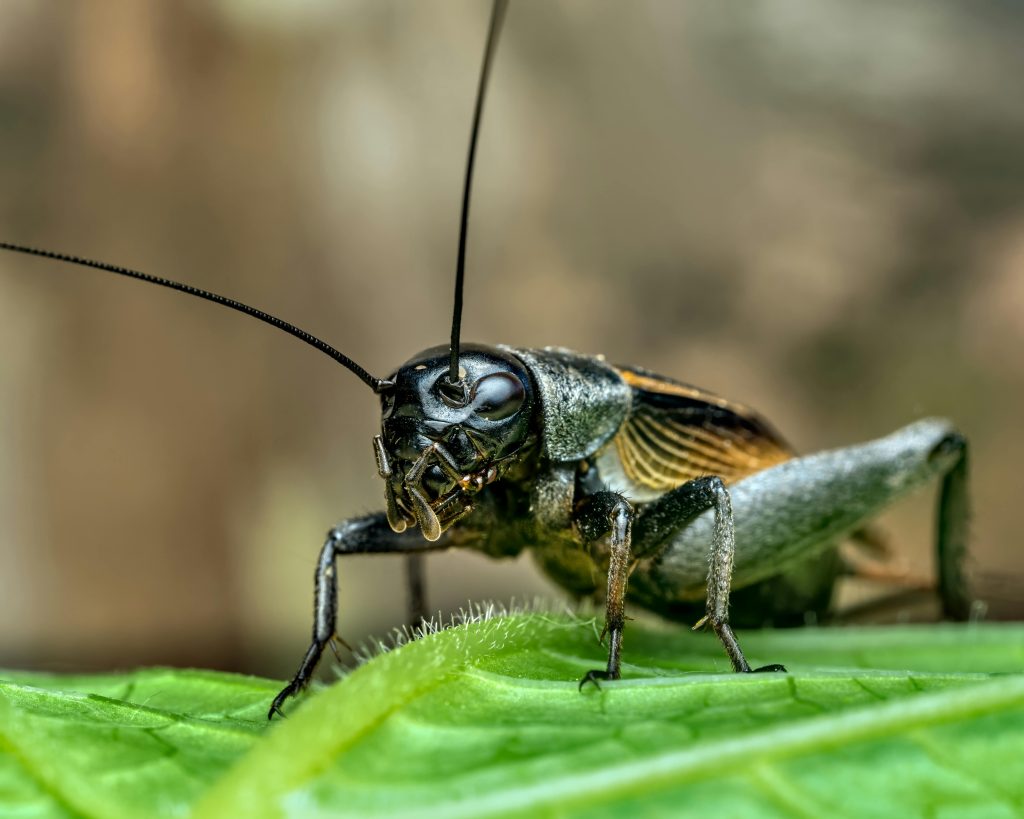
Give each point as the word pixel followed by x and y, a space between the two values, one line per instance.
pixel 605 472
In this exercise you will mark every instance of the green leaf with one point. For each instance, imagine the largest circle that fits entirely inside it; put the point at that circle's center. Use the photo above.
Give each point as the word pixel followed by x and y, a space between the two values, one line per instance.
pixel 131 745
pixel 486 719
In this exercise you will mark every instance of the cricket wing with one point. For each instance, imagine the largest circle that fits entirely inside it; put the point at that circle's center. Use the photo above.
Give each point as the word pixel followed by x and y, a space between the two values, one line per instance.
pixel 675 433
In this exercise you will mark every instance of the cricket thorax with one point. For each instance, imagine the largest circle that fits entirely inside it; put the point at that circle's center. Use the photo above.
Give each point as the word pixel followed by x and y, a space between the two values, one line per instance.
pixel 442 443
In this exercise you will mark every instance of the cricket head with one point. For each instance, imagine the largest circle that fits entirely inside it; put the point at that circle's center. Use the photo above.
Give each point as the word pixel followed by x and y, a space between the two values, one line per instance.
pixel 442 441
pixel 455 419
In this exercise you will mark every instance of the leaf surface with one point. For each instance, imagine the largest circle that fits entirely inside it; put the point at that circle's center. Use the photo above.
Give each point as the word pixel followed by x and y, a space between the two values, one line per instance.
pixel 486 719
pixel 122 745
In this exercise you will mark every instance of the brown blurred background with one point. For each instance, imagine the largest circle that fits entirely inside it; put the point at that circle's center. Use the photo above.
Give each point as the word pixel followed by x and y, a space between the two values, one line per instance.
pixel 813 206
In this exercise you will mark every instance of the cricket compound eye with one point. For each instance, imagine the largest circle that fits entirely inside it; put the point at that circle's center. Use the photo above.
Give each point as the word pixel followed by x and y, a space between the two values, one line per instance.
pixel 497 396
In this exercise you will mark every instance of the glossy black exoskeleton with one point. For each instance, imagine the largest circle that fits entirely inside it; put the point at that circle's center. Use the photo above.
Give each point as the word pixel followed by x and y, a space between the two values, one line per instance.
pixel 613 475
pixel 441 443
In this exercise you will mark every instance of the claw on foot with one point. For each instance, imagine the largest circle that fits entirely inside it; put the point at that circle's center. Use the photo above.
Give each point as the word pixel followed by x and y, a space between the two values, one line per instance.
pixel 772 667
pixel 275 706
pixel 593 677
pixel 289 690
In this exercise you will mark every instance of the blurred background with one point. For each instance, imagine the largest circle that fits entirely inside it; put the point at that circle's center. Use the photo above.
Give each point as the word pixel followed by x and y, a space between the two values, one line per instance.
pixel 812 206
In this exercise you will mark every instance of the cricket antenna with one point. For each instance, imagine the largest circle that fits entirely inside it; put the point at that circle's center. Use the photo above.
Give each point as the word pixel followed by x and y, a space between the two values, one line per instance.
pixel 378 385
pixel 497 15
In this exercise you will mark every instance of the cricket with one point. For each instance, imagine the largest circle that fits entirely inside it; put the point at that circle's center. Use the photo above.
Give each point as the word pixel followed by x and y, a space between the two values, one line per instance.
pixel 626 485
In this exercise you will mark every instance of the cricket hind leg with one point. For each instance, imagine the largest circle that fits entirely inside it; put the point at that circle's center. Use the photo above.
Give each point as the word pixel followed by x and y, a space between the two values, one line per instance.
pixel 951 525
pixel 600 514
pixel 366 535
pixel 951 535
pixel 671 513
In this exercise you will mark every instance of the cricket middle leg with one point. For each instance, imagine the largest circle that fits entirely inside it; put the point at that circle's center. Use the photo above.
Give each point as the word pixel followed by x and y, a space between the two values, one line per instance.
pixel 659 522
pixel 600 514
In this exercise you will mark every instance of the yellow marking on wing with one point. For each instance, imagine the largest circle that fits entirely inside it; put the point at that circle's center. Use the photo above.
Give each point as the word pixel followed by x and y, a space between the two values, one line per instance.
pixel 661 448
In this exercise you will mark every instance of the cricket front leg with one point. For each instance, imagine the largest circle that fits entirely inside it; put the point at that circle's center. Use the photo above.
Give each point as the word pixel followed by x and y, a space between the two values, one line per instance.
pixel 367 535
pixel 415 590
pixel 600 514
pixel 670 514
